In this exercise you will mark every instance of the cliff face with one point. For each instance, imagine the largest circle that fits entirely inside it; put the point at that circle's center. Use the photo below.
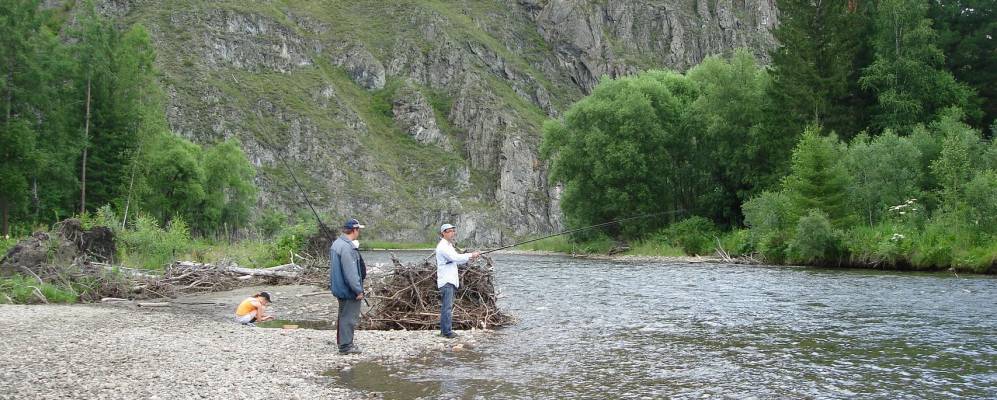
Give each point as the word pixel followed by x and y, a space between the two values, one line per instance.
pixel 407 114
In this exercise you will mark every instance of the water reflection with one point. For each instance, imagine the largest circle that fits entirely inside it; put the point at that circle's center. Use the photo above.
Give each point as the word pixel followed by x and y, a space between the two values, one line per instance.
pixel 599 329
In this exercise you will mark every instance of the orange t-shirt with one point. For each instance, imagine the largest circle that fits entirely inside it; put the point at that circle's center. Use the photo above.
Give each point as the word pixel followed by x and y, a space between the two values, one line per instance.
pixel 247 306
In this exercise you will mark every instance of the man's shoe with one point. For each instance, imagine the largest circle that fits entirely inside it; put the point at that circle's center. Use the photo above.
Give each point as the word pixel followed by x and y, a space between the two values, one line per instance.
pixel 351 350
pixel 451 335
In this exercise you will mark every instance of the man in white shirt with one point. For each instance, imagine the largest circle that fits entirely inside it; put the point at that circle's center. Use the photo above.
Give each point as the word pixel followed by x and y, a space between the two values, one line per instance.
pixel 447 260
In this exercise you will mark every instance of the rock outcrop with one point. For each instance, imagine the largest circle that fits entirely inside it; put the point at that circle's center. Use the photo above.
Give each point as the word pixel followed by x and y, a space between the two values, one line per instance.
pixel 338 90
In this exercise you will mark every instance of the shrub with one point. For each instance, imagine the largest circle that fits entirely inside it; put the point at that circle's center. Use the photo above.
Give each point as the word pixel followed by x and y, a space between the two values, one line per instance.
pixel 766 214
pixel 694 235
pixel 815 241
pixel 737 243
pixel 146 245
pixel 291 239
pixel 981 197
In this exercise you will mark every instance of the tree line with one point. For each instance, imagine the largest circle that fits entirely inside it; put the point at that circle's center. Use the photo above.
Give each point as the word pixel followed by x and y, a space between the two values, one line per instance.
pixel 83 125
pixel 867 139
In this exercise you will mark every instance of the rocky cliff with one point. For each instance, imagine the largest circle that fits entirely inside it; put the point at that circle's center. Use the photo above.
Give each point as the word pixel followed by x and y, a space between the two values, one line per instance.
pixel 407 114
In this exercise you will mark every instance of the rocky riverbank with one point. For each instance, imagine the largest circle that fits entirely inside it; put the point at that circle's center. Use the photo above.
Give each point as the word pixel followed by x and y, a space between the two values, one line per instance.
pixel 188 350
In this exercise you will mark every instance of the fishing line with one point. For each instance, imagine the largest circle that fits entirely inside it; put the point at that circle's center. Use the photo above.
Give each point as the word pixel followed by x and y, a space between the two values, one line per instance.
pixel 585 228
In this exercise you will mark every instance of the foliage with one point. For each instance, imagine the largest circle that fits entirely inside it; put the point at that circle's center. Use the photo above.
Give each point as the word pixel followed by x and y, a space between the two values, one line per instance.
pixel 291 239
pixel 19 289
pixel 906 75
pixel 742 154
pixel 174 179
pixel 981 201
pixel 600 244
pixel 818 180
pixel 815 240
pixel 229 189
pixel 815 69
pixel 965 33
pixel 145 244
pixel 625 150
pixel 885 171
pixel 694 235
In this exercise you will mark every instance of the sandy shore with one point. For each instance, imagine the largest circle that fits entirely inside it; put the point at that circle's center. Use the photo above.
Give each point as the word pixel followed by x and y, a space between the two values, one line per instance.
pixel 186 351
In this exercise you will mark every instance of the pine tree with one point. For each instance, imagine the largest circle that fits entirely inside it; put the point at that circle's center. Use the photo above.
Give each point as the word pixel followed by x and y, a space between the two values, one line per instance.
pixel 816 67
pixel 966 30
pixel 19 27
pixel 819 180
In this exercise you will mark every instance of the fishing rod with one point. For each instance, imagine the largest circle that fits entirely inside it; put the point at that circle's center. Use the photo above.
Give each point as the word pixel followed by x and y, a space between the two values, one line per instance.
pixel 322 226
pixel 585 228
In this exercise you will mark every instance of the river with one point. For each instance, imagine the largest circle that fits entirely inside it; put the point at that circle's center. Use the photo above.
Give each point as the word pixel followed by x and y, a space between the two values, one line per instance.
pixel 610 329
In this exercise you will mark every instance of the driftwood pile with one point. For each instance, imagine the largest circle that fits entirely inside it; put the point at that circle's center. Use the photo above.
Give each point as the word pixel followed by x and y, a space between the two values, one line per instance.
pixel 408 298
pixel 187 277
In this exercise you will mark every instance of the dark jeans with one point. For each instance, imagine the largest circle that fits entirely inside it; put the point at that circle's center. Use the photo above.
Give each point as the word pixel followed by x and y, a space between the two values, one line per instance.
pixel 349 317
pixel 446 309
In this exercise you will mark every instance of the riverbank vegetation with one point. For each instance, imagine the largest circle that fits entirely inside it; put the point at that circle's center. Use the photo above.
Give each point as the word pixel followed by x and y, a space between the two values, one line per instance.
pixel 867 146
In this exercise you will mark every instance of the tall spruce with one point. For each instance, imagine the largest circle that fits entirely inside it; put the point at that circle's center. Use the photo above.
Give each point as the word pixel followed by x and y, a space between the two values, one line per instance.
pixel 20 25
pixel 966 30
pixel 815 69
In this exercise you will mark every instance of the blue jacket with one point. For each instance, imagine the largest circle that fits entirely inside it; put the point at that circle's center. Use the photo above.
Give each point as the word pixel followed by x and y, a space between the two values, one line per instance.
pixel 347 270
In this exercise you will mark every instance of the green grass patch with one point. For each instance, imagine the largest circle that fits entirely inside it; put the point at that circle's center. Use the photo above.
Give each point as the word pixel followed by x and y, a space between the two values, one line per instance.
pixel 654 248
pixel 7 243
pixel 20 289
pixel 564 244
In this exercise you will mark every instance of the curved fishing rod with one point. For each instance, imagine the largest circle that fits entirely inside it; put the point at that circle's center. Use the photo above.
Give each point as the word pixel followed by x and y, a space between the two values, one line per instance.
pixel 585 228
pixel 322 226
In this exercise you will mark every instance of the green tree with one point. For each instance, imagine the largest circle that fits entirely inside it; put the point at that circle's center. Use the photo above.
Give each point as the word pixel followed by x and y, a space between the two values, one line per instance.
pixel 907 75
pixel 818 179
pixel 230 192
pixel 815 69
pixel 885 172
pixel 173 178
pixel 626 149
pixel 981 196
pixel 961 155
pixel 744 155
pixel 965 34
pixel 19 25
pixel 117 85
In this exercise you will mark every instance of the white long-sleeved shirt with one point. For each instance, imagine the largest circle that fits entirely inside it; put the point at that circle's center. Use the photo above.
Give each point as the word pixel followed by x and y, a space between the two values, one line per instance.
pixel 447 260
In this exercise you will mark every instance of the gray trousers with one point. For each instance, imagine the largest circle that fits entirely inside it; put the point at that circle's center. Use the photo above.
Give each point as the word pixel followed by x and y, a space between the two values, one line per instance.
pixel 346 322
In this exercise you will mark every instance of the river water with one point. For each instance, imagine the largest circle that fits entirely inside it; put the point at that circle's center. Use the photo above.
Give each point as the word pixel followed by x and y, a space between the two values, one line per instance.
pixel 605 329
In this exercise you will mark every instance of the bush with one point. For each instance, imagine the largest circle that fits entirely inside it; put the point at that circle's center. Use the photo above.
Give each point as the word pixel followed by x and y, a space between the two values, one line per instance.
pixel 773 247
pixel 737 243
pixel 879 244
pixel 767 213
pixel 934 247
pixel 694 235
pixel 815 242
pixel 146 245
pixel 981 197
pixel 20 289
pixel 290 239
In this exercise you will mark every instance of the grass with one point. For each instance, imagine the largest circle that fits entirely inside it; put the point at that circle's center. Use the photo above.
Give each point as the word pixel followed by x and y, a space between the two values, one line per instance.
pixel 654 248
pixel 7 244
pixel 563 244
pixel 20 289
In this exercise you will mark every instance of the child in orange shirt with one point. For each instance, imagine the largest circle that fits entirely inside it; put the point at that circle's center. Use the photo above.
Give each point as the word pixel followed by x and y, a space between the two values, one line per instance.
pixel 253 309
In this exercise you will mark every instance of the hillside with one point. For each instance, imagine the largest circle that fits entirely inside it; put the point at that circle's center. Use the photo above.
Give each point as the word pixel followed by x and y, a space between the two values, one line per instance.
pixel 409 113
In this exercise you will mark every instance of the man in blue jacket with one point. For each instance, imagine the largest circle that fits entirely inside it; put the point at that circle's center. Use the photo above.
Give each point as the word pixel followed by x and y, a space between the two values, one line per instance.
pixel 347 272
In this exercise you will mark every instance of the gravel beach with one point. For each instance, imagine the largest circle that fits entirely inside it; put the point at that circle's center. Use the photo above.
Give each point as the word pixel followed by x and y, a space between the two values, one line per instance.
pixel 188 350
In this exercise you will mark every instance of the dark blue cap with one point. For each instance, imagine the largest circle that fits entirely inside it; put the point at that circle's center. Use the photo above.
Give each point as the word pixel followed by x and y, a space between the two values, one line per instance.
pixel 353 223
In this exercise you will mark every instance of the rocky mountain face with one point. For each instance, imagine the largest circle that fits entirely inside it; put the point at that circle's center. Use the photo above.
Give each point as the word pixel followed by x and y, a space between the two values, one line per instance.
pixel 408 114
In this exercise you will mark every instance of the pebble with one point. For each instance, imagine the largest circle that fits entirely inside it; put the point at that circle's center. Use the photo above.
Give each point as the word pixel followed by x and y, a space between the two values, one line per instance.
pixel 127 353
